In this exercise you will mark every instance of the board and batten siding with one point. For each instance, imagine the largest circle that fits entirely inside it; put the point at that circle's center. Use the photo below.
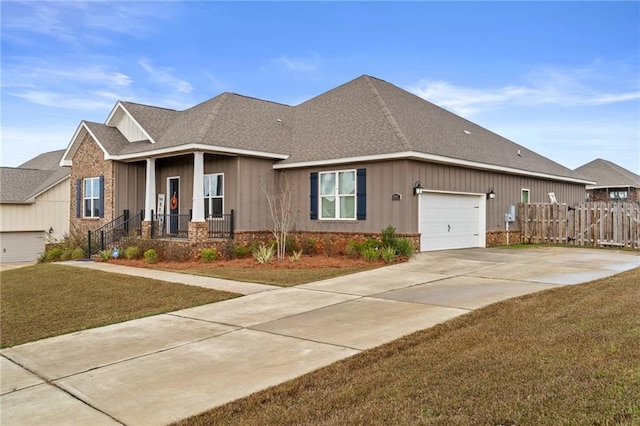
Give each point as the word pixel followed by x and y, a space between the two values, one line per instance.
pixel 50 210
pixel 129 129
pixel 129 187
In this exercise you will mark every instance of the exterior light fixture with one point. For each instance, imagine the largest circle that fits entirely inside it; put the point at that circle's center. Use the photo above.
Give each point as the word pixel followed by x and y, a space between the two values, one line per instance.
pixel 491 195
pixel 51 230
pixel 417 188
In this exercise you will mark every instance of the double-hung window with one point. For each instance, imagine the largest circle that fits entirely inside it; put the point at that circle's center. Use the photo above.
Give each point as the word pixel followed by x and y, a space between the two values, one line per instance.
pixel 338 195
pixel 91 197
pixel 524 195
pixel 213 195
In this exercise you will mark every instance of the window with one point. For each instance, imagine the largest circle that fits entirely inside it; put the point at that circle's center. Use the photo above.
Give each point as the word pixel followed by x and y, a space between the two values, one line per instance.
pixel 524 196
pixel 338 195
pixel 213 195
pixel 91 197
pixel 618 195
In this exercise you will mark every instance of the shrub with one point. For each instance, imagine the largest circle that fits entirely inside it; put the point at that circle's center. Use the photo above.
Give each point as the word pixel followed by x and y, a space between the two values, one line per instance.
pixel 77 253
pixel 264 253
pixel 104 255
pixel 370 243
pixel 66 253
pixel 310 246
pixel 388 236
pixel 151 256
pixel 132 252
pixel 53 255
pixel 404 247
pixel 352 248
pixel 291 245
pixel 208 254
pixel 240 251
pixel 370 253
pixel 388 254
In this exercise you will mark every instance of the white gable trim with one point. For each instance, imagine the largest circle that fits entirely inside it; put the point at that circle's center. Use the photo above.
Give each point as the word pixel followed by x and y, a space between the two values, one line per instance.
pixel 122 107
pixel 435 159
pixel 76 140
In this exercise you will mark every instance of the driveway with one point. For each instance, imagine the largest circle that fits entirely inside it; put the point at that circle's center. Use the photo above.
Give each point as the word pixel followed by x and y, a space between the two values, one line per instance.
pixel 160 369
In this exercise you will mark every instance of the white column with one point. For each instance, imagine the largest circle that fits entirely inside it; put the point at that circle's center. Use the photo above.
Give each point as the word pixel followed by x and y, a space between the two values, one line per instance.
pixel 197 204
pixel 150 189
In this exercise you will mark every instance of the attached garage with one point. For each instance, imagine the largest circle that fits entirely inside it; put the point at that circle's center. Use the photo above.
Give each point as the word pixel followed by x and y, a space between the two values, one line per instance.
pixel 452 221
pixel 21 246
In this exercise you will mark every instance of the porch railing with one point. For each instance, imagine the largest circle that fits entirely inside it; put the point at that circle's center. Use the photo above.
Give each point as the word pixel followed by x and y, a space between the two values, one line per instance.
pixel 109 234
pixel 177 225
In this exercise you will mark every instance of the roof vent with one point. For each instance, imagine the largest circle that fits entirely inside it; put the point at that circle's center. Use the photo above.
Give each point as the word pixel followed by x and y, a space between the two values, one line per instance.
pixel 519 155
pixel 466 132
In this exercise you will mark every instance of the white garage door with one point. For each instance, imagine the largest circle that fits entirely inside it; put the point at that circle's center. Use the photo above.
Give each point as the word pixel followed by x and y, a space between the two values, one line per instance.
pixel 21 246
pixel 450 221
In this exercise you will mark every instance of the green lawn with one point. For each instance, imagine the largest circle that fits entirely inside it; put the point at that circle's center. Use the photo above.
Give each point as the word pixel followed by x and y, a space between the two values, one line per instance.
pixel 47 300
pixel 566 356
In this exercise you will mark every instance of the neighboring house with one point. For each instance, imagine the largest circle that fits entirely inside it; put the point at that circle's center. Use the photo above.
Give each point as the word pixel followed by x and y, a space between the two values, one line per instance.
pixel 612 182
pixel 34 206
pixel 355 154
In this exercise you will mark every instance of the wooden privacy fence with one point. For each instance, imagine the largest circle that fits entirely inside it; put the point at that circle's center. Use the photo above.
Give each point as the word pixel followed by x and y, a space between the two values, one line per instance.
pixel 586 224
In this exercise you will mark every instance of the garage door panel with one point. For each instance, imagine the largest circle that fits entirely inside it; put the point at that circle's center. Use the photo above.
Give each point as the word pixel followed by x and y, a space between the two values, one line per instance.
pixel 450 221
pixel 21 246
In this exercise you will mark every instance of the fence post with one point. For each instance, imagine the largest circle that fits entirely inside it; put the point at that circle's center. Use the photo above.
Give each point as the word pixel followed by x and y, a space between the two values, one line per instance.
pixel 88 244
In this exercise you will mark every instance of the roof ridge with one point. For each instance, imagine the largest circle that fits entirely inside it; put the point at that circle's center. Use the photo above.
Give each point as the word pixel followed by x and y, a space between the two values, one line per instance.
pixel 387 113
pixel 212 116
pixel 147 105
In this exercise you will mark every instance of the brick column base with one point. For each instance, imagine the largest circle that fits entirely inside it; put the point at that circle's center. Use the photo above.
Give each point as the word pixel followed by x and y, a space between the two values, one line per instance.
pixel 198 232
pixel 146 229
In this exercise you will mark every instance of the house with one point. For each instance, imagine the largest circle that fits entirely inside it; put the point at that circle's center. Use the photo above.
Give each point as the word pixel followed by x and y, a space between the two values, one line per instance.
pixel 612 182
pixel 362 156
pixel 34 206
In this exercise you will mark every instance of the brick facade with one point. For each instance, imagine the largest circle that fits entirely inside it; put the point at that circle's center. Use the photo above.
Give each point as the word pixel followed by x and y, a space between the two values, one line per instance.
pixel 88 161
pixel 603 194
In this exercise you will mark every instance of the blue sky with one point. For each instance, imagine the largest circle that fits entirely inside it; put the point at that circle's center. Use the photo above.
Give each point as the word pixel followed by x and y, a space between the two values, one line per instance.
pixel 561 78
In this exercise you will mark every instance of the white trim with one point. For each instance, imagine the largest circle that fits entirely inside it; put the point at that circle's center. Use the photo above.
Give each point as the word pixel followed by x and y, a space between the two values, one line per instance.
pixel 338 196
pixel 113 111
pixel 197 147
pixel 522 190
pixel 73 145
pixel 430 157
pixel 169 198
pixel 211 197
pixel 611 186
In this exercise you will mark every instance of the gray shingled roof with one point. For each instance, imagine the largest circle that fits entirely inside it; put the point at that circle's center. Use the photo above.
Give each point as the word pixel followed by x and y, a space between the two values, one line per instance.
pixel 364 117
pixel 22 184
pixel 608 174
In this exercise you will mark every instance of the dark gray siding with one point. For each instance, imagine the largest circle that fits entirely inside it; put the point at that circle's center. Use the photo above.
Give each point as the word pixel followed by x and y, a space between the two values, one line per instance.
pixel 129 187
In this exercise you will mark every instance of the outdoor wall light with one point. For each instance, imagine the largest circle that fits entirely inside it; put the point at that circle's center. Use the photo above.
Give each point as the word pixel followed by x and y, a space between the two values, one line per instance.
pixel 417 188
pixel 51 230
pixel 491 195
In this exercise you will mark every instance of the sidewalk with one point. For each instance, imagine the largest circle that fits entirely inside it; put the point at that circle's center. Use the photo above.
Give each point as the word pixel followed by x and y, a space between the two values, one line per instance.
pixel 161 369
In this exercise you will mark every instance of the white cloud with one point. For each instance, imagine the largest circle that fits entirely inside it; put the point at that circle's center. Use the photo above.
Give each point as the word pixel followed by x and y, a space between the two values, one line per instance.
pixel 165 77
pixel 299 64
pixel 543 87
pixel 64 100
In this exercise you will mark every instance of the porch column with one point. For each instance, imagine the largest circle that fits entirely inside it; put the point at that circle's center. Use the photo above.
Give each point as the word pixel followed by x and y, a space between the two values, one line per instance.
pixel 150 189
pixel 198 187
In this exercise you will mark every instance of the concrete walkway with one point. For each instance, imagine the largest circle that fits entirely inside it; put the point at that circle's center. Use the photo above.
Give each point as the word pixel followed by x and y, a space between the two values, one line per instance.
pixel 160 369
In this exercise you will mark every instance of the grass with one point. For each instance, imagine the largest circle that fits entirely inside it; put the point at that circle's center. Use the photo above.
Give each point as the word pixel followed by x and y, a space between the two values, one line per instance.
pixel 281 277
pixel 566 356
pixel 47 300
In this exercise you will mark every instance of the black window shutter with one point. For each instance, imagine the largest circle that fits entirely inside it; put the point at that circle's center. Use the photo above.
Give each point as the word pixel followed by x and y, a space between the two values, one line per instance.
pixel 361 194
pixel 313 194
pixel 78 197
pixel 101 196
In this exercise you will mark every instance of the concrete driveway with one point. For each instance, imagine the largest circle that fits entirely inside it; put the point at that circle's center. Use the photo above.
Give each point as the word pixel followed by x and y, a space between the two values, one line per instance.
pixel 156 370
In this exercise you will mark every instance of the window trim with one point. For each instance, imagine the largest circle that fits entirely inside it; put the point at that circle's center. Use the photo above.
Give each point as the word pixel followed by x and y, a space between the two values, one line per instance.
pixel 528 192
pixel 338 196
pixel 208 198
pixel 95 198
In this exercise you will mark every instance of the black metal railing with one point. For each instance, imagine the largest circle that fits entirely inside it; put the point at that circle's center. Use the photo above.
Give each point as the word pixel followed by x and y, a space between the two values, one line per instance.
pixel 109 234
pixel 221 226
pixel 170 226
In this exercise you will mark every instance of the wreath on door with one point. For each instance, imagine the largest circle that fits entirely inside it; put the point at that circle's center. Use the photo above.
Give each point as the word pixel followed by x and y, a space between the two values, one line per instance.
pixel 174 202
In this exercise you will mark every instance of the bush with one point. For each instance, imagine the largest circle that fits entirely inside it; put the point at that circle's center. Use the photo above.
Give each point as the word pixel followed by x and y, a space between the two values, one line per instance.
pixel 151 256
pixel 291 245
pixel 328 246
pixel 310 246
pixel 404 247
pixel 388 254
pixel 208 254
pixel 295 256
pixel 104 255
pixel 370 243
pixel 240 251
pixel 352 249
pixel 370 253
pixel 78 253
pixel 54 254
pixel 132 252
pixel 388 236
pixel 264 253
pixel 66 253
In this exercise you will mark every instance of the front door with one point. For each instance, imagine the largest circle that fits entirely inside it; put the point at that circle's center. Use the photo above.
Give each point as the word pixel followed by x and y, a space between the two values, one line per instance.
pixel 173 185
